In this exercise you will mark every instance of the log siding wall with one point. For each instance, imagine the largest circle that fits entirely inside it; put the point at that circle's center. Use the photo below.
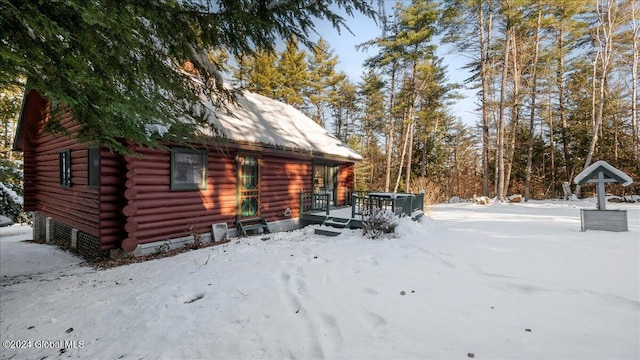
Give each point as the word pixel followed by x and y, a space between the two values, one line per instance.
pixel 78 205
pixel 346 181
pixel 155 213
pixel 282 181
pixel 134 204
pixel 112 201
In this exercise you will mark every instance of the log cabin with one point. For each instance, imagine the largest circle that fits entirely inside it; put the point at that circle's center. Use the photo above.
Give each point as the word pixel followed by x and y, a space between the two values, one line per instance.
pixel 104 203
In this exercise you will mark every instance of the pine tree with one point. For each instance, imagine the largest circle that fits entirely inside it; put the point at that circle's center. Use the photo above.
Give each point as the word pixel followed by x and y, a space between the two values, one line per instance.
pixel 292 67
pixel 343 106
pixel 416 28
pixel 114 62
pixel 322 78
pixel 263 75
pixel 372 99
pixel 10 101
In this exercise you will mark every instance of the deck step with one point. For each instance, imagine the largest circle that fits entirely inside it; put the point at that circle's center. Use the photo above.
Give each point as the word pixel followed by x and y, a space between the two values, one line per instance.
pixel 336 222
pixel 251 224
pixel 327 232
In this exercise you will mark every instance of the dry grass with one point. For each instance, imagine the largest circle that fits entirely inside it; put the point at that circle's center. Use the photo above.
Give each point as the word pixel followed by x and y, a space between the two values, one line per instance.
pixel 432 193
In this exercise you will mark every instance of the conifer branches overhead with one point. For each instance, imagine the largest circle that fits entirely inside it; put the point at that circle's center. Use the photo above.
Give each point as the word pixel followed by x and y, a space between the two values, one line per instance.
pixel 115 62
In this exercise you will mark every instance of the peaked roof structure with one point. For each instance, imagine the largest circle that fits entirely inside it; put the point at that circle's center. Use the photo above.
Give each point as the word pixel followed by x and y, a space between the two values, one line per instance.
pixel 255 119
pixel 262 120
pixel 591 173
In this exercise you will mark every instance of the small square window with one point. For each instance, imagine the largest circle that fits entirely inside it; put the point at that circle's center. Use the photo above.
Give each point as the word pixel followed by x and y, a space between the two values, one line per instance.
pixel 188 169
pixel 93 166
pixel 64 158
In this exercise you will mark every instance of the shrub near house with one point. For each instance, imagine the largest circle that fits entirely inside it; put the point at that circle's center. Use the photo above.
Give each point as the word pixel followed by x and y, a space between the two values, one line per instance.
pixel 11 201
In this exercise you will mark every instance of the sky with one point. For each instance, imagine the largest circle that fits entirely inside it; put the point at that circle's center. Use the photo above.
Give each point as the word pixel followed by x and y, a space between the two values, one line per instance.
pixel 363 29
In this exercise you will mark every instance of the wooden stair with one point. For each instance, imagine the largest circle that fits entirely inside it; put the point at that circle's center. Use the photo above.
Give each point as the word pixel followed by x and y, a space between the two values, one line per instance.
pixel 251 225
pixel 336 222
pixel 326 232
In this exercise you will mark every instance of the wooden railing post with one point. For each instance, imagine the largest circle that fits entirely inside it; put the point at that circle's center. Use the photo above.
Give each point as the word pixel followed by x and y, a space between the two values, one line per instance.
pixel 354 200
pixel 326 202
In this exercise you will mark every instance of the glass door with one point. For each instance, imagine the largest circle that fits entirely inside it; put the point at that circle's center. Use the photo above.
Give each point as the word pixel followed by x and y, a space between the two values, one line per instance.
pixel 325 180
pixel 248 187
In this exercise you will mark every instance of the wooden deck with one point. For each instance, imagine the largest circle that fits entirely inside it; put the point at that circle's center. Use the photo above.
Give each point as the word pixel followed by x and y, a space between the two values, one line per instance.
pixel 316 208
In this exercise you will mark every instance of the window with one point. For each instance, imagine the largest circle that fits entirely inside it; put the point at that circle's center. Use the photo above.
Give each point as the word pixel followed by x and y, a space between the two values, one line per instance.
pixel 93 173
pixel 188 169
pixel 64 158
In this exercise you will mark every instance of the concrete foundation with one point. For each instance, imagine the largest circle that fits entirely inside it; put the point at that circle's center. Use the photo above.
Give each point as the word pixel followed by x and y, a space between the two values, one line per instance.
pixel 175 243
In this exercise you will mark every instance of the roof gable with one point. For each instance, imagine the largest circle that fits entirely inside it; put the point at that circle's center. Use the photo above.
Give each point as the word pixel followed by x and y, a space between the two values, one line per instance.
pixel 31 114
pixel 609 172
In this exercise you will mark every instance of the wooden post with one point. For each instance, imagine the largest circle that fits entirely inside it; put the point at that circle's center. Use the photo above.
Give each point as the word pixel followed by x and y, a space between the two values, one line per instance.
pixel 302 202
pixel 600 191
pixel 354 200
pixel 326 201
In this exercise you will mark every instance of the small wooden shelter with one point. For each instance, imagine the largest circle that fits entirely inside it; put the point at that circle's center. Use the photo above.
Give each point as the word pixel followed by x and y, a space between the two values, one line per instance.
pixel 601 173
pixel 261 156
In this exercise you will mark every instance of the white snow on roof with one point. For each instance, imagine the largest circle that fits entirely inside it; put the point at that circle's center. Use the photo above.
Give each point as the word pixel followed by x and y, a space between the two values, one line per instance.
pixel 259 119
pixel 586 172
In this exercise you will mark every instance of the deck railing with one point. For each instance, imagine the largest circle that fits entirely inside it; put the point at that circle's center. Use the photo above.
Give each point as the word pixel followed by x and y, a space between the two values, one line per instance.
pixel 314 202
pixel 399 204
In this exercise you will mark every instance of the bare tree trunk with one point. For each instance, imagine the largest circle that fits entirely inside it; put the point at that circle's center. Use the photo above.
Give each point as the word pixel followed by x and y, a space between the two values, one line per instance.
pixel 501 117
pixel 485 48
pixel 534 91
pixel 515 113
pixel 390 129
pixel 562 107
pixel 404 151
pixel 635 10
pixel 407 181
pixel 605 51
pixel 604 38
pixel 552 145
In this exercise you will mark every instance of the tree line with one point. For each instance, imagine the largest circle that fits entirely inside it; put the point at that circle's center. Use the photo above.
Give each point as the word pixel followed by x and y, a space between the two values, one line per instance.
pixel 556 90
pixel 557 87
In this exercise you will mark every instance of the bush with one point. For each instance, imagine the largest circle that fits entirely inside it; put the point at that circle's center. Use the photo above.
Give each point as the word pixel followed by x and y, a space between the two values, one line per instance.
pixel 376 222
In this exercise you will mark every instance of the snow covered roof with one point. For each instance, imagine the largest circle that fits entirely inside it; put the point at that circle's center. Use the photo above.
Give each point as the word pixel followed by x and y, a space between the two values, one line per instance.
pixel 261 120
pixel 609 171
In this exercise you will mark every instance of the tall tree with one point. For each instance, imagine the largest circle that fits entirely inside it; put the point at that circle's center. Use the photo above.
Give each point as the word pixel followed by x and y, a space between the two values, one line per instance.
pixel 416 28
pixel 343 106
pixel 262 74
pixel 534 92
pixel 372 100
pixel 294 75
pixel 10 101
pixel 633 11
pixel 469 26
pixel 114 62
pixel 388 60
pixel 323 78
pixel 608 17
pixel 568 28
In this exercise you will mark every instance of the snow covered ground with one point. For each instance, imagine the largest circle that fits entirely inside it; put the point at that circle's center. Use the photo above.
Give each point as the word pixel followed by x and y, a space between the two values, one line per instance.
pixel 503 281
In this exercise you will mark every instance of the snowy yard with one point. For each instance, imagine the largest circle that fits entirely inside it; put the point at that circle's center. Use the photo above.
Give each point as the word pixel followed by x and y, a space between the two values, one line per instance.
pixel 505 281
